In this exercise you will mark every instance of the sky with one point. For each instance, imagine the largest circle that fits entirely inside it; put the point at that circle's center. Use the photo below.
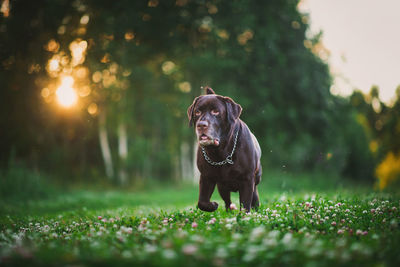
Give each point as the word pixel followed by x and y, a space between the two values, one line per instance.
pixel 363 38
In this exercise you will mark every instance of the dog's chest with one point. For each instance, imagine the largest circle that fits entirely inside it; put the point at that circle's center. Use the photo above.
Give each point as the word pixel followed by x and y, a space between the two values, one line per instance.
pixel 227 176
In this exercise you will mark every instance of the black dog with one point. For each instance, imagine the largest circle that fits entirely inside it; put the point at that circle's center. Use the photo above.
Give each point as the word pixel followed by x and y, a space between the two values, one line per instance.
pixel 228 154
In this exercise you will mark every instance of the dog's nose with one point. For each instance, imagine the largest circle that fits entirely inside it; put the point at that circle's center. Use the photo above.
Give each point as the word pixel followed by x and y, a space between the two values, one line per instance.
pixel 202 125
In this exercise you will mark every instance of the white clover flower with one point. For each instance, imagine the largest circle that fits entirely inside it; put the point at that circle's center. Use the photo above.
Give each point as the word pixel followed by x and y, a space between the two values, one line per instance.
pixel 221 252
pixel 248 218
pixel 233 206
pixel 287 238
pixel 269 242
pixel 212 221
pixel 189 249
pixel 256 233
pixel 236 236
pixel 274 234
pixel 251 253
pixel 150 248
pixel 169 254
pixel 46 228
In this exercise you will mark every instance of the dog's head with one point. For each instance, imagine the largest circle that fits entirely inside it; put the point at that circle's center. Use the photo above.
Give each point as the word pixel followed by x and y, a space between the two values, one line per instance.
pixel 213 115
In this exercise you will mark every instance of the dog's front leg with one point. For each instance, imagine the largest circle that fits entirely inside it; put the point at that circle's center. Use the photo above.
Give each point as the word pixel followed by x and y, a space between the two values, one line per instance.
pixel 246 194
pixel 225 195
pixel 206 190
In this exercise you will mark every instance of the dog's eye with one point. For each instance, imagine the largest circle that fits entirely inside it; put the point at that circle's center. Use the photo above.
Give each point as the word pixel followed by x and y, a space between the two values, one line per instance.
pixel 197 113
pixel 215 112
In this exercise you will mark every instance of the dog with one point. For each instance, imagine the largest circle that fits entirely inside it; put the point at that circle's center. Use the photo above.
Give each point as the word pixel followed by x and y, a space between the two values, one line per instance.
pixel 228 154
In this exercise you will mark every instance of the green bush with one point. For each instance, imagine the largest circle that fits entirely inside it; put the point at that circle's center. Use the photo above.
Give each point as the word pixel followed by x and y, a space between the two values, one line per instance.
pixel 22 184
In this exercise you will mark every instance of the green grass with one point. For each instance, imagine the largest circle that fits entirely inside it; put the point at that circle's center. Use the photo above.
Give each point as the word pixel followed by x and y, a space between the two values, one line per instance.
pixel 303 220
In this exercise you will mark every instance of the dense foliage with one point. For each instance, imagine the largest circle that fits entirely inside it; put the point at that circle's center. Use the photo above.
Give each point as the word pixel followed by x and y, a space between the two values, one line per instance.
pixel 137 65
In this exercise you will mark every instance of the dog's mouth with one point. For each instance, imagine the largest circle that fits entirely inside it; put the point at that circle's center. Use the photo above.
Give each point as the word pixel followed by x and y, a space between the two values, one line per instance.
pixel 205 140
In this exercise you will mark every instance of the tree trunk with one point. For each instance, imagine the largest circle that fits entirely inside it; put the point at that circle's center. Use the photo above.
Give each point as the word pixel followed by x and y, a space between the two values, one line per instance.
pixel 186 165
pixel 122 152
pixel 104 145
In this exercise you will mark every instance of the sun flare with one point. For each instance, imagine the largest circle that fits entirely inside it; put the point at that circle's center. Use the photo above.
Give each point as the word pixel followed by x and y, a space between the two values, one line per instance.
pixel 66 94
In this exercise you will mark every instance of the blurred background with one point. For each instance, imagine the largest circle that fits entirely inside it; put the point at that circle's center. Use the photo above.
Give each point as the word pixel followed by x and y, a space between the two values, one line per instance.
pixel 95 93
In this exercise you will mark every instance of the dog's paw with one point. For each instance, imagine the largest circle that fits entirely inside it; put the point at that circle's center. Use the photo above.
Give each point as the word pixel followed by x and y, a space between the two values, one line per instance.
pixel 214 206
pixel 208 206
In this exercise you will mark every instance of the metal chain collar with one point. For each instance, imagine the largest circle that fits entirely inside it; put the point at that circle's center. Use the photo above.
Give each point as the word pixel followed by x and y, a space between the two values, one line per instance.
pixel 228 158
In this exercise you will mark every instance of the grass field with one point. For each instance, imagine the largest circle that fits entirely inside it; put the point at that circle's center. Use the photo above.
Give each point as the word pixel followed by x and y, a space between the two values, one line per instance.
pixel 303 220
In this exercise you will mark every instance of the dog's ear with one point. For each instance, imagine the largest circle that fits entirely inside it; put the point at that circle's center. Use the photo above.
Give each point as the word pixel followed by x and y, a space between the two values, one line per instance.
pixel 190 111
pixel 209 91
pixel 233 109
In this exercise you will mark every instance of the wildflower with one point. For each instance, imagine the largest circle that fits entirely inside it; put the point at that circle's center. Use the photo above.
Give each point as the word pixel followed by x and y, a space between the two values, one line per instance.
pixel 233 206
pixel 46 228
pixel 340 231
pixel 150 248
pixel 236 236
pixel 221 253
pixel 169 254
pixel 189 249
pixel 333 223
pixel 194 225
pixel 257 233
pixel 212 221
pixel 359 232
pixel 287 238
pixel 99 217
